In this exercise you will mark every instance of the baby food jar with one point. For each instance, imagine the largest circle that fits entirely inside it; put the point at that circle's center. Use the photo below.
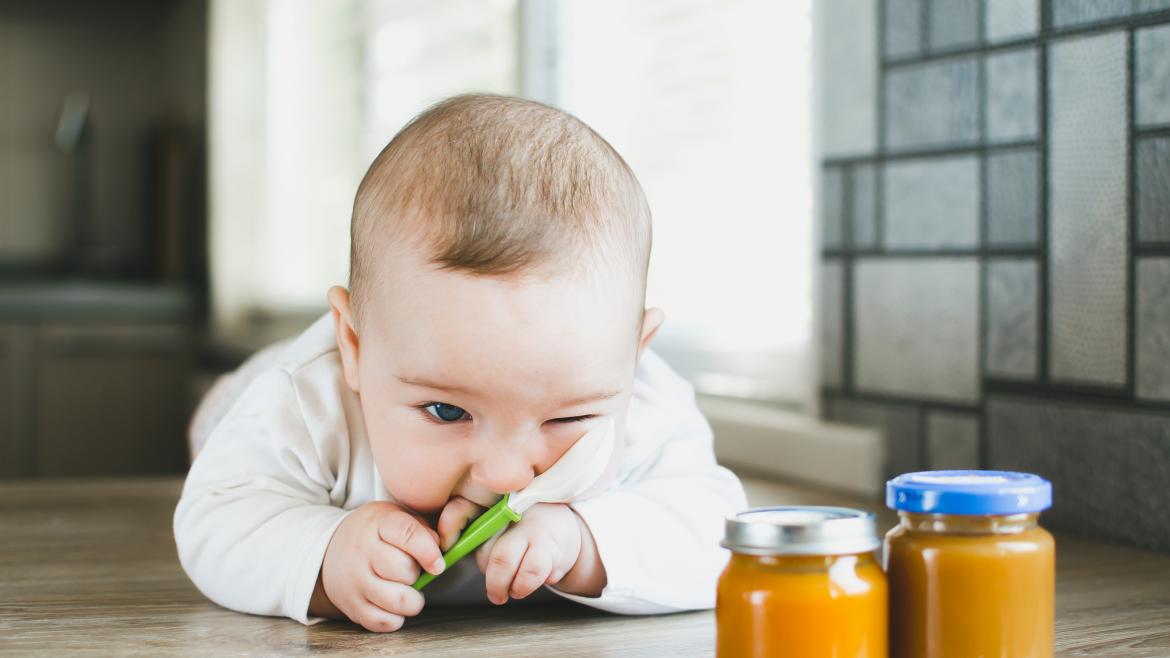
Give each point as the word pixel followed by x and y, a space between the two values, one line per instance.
pixel 801 582
pixel 971 573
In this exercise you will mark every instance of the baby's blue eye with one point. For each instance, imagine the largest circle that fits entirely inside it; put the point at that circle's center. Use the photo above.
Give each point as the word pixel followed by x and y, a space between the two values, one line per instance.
pixel 448 413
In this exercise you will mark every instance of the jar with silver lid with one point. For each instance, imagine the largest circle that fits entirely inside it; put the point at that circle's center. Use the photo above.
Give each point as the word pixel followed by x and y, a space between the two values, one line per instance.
pixel 801 581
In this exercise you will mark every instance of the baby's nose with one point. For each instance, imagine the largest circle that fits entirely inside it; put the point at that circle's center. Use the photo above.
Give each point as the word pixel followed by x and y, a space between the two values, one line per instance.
pixel 504 472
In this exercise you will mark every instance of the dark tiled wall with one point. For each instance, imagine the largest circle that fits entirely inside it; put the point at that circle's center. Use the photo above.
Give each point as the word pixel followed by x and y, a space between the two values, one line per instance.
pixel 996 243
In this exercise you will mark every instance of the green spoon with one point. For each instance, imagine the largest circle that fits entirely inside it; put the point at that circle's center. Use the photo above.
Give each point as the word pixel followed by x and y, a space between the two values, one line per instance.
pixel 577 470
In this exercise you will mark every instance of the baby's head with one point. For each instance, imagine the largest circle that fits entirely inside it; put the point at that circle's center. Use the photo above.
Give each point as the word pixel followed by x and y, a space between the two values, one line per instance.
pixel 497 284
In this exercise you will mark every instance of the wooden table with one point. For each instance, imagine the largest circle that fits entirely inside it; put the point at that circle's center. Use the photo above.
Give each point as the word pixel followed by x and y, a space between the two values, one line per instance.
pixel 90 566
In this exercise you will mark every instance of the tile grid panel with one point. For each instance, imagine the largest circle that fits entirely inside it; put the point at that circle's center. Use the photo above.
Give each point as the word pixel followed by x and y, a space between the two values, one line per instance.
pixel 1021 256
pixel 981 452
pixel 1044 319
pixel 1131 217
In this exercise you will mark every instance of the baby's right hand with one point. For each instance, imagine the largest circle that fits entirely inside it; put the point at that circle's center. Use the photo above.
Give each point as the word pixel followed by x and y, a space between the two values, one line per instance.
pixel 371 562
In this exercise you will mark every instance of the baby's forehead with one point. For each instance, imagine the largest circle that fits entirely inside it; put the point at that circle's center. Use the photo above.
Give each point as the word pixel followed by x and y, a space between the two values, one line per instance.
pixel 532 356
pixel 563 319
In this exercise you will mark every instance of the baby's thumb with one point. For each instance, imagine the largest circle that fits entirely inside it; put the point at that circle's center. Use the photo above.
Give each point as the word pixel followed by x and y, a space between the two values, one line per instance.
pixel 453 519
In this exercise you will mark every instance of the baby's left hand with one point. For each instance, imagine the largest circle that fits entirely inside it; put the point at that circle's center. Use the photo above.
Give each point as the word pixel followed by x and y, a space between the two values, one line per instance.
pixel 539 550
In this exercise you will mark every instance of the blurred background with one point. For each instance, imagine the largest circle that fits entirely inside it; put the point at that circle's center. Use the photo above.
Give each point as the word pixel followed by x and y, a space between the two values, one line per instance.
pixel 889 234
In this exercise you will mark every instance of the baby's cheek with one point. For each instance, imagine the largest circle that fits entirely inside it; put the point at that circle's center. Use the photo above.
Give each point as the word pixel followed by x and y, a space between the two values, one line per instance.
pixel 425 489
pixel 417 480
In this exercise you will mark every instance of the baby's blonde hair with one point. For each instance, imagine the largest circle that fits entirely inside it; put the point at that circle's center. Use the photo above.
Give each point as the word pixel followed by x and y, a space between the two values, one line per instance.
pixel 497 185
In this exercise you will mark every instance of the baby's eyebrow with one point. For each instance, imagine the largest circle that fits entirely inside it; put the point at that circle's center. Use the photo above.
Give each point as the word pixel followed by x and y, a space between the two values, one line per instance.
pixel 455 388
pixel 595 397
pixel 426 383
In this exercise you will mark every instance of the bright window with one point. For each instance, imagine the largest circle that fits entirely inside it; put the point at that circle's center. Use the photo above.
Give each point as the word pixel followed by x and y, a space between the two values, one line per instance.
pixel 708 100
pixel 709 103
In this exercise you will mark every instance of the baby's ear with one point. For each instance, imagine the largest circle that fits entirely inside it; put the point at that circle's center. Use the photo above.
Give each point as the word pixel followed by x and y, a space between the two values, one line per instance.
pixel 652 320
pixel 347 336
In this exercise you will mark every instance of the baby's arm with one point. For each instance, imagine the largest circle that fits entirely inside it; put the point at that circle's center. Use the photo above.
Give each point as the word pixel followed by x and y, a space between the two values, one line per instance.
pixel 262 504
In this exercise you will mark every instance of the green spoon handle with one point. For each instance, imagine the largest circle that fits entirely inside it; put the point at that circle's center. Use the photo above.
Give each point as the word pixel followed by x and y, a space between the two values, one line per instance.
pixel 480 530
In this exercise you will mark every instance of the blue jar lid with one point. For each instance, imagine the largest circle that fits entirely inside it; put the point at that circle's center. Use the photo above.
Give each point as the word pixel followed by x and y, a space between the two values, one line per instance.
pixel 969 492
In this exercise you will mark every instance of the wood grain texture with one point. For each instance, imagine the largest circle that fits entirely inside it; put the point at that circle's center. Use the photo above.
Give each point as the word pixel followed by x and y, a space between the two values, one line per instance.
pixel 90 567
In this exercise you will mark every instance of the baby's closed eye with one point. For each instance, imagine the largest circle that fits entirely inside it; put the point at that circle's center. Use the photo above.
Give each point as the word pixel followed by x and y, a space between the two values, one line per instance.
pixel 573 419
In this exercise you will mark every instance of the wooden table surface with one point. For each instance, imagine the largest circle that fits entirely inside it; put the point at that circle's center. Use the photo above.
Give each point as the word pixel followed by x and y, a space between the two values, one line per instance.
pixel 90 567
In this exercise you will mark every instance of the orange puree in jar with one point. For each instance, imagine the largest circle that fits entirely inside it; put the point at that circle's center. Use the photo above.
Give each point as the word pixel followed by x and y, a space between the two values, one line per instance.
pixel 964 583
pixel 801 582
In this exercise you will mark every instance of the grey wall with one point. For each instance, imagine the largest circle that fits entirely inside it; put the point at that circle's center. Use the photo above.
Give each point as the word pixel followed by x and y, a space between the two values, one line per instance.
pixel 996 243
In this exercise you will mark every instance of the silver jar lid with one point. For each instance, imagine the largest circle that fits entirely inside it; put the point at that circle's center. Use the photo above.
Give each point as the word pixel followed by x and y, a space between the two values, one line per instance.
pixel 800 530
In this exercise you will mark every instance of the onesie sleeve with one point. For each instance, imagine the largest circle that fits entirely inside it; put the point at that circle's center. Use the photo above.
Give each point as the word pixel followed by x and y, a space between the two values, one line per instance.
pixel 258 508
pixel 658 528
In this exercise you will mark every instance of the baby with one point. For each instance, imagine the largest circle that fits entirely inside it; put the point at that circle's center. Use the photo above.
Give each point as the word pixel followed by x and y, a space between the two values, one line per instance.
pixel 495 314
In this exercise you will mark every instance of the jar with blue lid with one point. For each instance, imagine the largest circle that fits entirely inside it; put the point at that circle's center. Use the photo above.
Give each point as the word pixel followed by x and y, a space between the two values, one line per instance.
pixel 971 572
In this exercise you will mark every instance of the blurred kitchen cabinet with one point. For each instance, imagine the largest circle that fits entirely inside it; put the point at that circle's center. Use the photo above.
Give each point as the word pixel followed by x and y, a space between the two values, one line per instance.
pixel 111 399
pixel 16 445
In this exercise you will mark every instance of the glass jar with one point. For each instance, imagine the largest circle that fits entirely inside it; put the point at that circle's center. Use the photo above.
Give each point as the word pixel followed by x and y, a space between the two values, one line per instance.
pixel 801 581
pixel 971 572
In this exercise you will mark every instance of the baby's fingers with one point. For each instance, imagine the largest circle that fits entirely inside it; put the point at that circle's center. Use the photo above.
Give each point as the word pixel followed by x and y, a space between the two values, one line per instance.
pixel 454 518
pixel 373 618
pixel 501 565
pixel 410 535
pixel 390 563
pixel 535 569
pixel 395 598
